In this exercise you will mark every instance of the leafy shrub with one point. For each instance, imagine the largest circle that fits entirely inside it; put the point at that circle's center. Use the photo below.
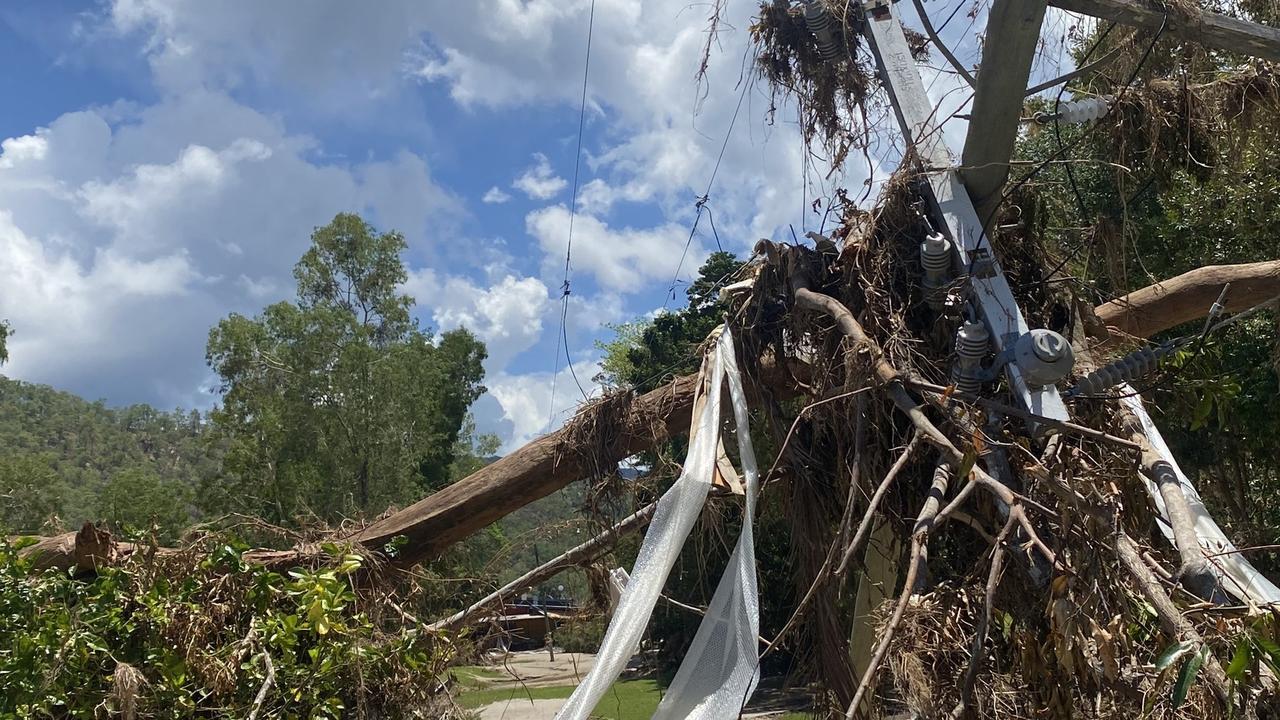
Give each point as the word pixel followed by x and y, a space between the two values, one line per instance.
pixel 582 636
pixel 199 633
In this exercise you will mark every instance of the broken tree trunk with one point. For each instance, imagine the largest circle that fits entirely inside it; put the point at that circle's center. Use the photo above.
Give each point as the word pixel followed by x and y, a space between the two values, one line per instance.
pixel 1169 303
pixel 1188 23
pixel 92 547
pixel 433 524
pixel 604 432
pixel 608 431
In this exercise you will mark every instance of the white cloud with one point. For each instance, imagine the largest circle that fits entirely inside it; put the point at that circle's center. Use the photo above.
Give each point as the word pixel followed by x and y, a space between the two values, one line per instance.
pixel 66 312
pixel 126 235
pixel 495 196
pixel 507 316
pixel 25 148
pixel 621 260
pixel 540 182
pixel 526 400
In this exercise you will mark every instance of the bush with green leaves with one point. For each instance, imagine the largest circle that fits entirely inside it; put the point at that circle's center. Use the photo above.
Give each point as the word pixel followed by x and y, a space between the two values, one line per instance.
pixel 205 634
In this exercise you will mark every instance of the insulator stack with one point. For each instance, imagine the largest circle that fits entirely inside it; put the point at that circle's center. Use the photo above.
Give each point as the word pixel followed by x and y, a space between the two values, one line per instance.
pixel 972 340
pixel 935 258
pixel 822 26
pixel 1135 365
pixel 1084 110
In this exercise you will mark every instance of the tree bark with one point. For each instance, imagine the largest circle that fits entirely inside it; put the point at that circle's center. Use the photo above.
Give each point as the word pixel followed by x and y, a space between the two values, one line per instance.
pixel 1169 303
pixel 1211 30
pixel 92 547
pixel 608 431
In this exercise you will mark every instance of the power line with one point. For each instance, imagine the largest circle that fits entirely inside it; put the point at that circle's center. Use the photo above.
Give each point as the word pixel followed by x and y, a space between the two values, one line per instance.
pixel 573 211
pixel 701 203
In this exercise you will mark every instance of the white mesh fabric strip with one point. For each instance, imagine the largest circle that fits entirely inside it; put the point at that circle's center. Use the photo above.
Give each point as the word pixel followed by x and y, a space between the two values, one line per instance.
pixel 1239 577
pixel 721 668
pixel 719 689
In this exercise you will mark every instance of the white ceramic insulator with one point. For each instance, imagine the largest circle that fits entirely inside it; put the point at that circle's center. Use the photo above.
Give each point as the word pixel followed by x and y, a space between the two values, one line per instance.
pixel 972 340
pixel 1084 110
pixel 935 258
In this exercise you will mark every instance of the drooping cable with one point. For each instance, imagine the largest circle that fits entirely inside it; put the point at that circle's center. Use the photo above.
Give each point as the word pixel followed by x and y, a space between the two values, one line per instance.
pixel 1062 150
pixel 942 47
pixel 573 211
pixel 701 203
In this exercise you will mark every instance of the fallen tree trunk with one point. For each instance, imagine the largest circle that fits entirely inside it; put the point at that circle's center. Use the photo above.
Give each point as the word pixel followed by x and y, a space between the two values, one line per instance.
pixel 604 432
pixel 621 427
pixel 91 547
pixel 1169 303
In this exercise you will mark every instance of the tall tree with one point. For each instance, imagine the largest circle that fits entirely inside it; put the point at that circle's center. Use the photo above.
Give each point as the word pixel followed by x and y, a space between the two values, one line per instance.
pixel 5 331
pixel 339 402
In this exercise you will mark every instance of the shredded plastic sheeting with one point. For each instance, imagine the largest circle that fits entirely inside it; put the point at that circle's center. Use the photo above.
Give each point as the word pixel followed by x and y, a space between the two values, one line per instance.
pixel 1235 573
pixel 720 670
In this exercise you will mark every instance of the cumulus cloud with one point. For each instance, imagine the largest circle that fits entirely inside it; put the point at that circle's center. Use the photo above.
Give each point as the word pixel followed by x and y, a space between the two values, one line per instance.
pixel 495 196
pixel 662 134
pixel 507 316
pixel 527 403
pixel 127 234
pixel 75 319
pixel 622 260
pixel 540 182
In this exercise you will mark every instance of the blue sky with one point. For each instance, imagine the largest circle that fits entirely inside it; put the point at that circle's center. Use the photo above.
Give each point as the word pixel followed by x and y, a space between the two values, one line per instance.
pixel 164 161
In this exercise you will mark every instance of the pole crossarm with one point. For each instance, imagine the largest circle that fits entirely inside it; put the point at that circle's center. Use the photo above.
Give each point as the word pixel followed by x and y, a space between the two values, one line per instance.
pixel 1209 29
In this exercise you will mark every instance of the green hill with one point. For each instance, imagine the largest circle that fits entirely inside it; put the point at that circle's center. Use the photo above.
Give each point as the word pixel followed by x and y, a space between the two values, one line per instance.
pixel 65 460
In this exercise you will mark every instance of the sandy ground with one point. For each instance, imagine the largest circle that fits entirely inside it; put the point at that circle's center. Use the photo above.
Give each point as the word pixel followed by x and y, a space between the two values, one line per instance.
pixel 521 709
pixel 537 669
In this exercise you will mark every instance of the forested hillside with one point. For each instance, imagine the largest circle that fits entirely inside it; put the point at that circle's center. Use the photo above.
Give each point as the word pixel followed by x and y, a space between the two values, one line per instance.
pixel 334 406
pixel 65 460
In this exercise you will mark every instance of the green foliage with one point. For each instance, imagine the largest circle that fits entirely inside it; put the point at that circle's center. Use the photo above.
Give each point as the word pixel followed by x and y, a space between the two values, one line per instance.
pixel 340 403
pixel 137 499
pixel 5 332
pixel 59 453
pixel 177 641
pixel 471 451
pixel 1165 214
pixel 30 492
pixel 645 356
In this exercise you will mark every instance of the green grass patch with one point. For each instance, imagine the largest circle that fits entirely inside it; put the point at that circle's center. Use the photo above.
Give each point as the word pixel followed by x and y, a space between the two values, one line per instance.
pixel 626 700
pixel 475 676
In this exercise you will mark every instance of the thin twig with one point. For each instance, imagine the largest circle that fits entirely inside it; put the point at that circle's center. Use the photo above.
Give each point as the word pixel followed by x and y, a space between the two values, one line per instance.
pixel 267 685
pixel 864 527
pixel 1021 414
pixel 919 557
pixel 978 653
pixel 942 47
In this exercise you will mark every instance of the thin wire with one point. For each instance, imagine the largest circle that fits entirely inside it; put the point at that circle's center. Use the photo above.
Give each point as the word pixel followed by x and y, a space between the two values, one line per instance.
pixel 1056 155
pixel 701 202
pixel 573 211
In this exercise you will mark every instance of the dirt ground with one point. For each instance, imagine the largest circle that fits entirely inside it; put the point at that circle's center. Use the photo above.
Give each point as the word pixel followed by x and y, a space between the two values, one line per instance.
pixel 537 669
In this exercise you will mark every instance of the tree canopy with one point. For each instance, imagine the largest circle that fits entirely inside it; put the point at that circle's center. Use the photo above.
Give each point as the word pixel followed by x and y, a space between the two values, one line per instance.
pixel 339 402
